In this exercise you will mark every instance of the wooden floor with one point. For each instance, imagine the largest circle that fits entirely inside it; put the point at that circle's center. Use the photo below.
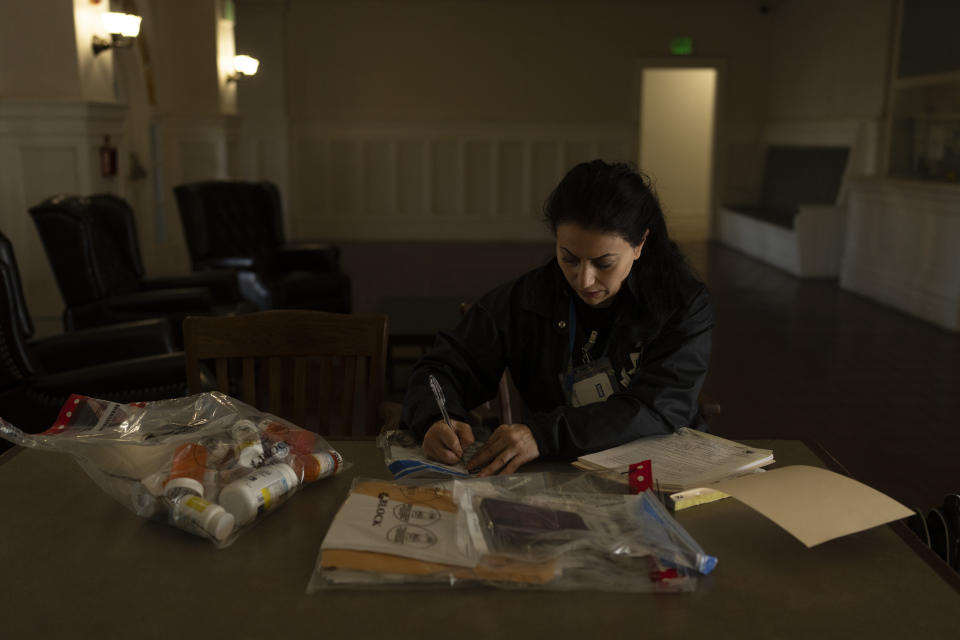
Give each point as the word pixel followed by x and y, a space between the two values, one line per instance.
pixel 799 358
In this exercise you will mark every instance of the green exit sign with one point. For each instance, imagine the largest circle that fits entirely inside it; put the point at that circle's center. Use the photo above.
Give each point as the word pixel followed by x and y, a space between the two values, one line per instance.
pixel 681 46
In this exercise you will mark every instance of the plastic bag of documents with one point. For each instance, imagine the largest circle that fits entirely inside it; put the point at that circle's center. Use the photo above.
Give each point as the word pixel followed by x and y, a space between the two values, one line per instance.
pixel 541 531
pixel 207 463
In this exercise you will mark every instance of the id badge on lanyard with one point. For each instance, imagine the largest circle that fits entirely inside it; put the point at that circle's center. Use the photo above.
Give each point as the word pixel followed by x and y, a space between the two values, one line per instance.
pixel 593 380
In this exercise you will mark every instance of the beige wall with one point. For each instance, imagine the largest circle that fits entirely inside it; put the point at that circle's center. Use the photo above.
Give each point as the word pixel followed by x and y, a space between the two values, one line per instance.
pixel 183 37
pixel 830 59
pixel 95 70
pixel 542 62
pixel 38 52
pixel 262 151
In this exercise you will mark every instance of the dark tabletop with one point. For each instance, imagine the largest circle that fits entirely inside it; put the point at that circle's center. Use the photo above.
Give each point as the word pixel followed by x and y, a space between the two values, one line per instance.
pixel 75 563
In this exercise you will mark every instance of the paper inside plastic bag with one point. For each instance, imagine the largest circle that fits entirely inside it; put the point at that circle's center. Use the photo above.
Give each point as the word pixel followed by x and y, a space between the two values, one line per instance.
pixel 537 530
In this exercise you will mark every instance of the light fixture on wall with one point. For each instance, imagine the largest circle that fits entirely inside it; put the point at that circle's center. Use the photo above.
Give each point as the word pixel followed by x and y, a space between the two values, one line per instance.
pixel 243 67
pixel 122 27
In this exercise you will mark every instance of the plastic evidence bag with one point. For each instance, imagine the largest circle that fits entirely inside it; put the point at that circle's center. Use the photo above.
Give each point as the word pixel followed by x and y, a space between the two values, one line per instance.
pixel 208 463
pixel 536 530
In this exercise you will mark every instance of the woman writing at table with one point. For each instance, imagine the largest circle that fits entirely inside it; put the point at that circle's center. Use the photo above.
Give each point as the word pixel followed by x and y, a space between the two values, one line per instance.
pixel 606 343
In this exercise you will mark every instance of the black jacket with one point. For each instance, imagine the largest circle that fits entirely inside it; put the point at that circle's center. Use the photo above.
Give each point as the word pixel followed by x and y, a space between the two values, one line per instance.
pixel 523 325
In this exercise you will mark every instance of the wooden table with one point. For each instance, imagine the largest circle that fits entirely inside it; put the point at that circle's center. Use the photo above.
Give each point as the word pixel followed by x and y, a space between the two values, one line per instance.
pixel 75 563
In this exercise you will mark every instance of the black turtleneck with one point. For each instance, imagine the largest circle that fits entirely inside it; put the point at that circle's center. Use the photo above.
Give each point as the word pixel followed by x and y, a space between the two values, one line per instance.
pixel 596 319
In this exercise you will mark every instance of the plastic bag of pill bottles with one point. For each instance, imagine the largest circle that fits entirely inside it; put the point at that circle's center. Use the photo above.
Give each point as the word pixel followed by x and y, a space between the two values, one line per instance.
pixel 208 463
pixel 549 530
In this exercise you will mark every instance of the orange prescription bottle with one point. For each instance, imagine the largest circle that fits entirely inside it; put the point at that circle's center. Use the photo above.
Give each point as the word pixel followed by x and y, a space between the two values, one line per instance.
pixel 313 466
pixel 300 440
pixel 187 468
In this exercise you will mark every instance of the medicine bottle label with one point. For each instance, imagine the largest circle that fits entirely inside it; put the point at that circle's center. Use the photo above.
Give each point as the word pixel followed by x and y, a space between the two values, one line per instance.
pixel 270 494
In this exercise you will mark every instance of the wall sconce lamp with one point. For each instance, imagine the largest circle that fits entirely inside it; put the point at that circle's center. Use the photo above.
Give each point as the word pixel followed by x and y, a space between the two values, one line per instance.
pixel 243 67
pixel 122 27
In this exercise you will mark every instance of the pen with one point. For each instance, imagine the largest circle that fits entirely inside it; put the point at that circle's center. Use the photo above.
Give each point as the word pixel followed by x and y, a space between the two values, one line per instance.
pixel 442 403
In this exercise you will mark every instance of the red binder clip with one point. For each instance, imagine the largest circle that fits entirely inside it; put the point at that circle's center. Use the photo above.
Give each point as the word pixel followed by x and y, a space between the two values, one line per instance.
pixel 641 476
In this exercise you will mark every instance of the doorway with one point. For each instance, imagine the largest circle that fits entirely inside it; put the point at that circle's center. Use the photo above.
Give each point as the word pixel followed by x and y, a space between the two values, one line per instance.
pixel 676 145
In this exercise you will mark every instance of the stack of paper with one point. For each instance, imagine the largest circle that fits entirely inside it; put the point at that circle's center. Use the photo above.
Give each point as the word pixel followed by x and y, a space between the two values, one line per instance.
pixel 684 463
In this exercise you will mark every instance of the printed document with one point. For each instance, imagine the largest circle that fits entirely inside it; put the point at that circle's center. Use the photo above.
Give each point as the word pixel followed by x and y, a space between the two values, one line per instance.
pixel 681 460
pixel 414 522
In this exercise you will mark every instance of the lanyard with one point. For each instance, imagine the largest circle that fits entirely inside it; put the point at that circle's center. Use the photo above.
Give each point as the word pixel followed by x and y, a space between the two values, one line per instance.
pixel 573 334
pixel 572 328
pixel 572 325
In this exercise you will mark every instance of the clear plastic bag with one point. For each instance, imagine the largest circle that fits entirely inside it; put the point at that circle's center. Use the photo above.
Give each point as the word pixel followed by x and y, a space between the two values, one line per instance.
pixel 208 463
pixel 529 530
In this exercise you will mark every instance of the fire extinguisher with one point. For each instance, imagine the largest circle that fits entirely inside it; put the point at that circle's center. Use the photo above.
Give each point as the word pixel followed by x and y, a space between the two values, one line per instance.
pixel 108 159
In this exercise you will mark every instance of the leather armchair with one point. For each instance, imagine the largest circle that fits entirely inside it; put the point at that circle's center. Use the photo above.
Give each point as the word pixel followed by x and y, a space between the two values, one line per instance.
pixel 237 224
pixel 127 363
pixel 92 246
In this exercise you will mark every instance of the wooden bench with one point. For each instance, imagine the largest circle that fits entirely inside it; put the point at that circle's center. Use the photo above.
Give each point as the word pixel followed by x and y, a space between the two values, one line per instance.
pixel 797 225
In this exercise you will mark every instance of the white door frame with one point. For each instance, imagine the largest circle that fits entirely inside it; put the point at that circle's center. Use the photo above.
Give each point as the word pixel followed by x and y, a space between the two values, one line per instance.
pixel 689 62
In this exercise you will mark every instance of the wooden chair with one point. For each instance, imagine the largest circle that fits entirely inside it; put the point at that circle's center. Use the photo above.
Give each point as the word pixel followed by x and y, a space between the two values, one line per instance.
pixel 273 353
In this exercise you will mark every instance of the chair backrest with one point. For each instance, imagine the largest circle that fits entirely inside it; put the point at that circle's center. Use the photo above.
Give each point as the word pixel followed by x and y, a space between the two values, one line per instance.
pixel 797 175
pixel 290 362
pixel 230 218
pixel 15 324
pixel 91 244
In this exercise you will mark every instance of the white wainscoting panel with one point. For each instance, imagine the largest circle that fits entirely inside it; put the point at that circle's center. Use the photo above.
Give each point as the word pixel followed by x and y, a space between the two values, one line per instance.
pixel 46 149
pixel 258 150
pixel 901 247
pixel 405 182
pixel 190 149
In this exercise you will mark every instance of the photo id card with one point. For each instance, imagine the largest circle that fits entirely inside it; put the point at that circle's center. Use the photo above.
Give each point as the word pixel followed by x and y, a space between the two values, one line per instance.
pixel 590 383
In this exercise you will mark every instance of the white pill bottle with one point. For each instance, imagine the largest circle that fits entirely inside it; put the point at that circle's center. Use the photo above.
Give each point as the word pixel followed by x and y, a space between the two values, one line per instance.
pixel 258 492
pixel 196 515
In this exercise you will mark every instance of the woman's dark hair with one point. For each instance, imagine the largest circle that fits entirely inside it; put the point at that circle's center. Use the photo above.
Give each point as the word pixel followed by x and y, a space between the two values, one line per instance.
pixel 614 198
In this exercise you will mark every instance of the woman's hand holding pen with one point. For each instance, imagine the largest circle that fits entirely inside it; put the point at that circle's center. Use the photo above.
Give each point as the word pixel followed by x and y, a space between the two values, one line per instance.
pixel 509 447
pixel 446 445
